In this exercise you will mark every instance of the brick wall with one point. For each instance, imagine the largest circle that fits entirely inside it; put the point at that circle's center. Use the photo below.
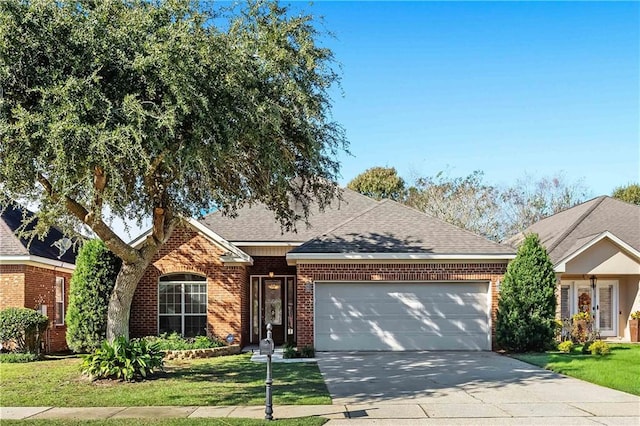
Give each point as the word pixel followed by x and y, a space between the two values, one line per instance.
pixel 387 272
pixel 29 287
pixel 187 251
pixel 11 286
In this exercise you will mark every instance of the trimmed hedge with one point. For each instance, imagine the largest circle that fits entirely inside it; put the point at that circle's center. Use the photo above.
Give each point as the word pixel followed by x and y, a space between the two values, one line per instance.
pixel 21 329
pixel 91 285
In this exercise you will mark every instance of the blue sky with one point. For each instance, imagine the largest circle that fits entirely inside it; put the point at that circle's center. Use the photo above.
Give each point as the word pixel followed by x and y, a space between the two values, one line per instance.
pixel 509 88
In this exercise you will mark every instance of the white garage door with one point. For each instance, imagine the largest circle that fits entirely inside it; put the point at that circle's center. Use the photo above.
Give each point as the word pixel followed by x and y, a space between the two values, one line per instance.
pixel 402 316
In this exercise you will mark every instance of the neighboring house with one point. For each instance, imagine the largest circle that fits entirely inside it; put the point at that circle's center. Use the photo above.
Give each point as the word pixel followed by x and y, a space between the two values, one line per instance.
pixel 35 275
pixel 364 275
pixel 595 250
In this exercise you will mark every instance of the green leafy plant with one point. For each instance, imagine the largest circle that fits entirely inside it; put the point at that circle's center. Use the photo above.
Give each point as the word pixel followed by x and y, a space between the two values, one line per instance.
pixel 18 357
pixel 22 329
pixel 586 346
pixel 635 315
pixel 526 309
pixel 566 346
pixel 599 348
pixel 91 284
pixel 175 342
pixel 123 359
pixel 307 352
pixel 289 351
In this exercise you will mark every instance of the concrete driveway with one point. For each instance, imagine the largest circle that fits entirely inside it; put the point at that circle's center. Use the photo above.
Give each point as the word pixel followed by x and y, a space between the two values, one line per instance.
pixel 466 385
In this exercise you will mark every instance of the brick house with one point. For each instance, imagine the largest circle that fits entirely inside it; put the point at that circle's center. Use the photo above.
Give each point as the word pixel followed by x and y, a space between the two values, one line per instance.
pixel 363 275
pixel 35 275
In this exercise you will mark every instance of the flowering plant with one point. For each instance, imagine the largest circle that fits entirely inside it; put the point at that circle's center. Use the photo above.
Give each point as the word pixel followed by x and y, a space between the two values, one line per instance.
pixel 635 315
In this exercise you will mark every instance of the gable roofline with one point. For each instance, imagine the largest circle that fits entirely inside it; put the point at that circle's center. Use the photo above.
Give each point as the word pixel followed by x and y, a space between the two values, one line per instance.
pixel 293 258
pixel 234 255
pixel 562 264
pixel 575 224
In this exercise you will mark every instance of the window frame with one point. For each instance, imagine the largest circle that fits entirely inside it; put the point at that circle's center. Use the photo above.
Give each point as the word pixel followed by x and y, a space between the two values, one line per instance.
pixel 59 316
pixel 183 283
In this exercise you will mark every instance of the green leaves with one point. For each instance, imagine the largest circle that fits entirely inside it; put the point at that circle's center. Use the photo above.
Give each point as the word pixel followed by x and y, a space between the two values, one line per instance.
pixel 123 359
pixel 91 285
pixel 527 304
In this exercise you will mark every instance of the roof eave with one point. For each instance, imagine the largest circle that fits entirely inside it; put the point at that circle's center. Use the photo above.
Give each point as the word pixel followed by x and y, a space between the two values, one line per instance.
pixel 561 265
pixel 294 258
pixel 35 261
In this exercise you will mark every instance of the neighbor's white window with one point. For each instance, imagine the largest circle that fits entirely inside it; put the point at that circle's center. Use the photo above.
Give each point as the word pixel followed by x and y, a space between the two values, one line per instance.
pixel 59 300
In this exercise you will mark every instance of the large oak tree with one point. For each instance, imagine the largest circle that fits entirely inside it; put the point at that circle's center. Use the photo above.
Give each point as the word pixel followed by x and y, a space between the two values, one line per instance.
pixel 161 109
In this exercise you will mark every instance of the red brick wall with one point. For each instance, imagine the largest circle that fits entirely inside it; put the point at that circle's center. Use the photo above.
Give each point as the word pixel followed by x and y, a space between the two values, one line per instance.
pixel 29 287
pixel 387 272
pixel 11 286
pixel 188 251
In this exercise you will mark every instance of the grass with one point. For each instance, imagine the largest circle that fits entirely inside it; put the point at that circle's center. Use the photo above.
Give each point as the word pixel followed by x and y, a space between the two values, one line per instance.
pixel 230 380
pixel 619 370
pixel 302 421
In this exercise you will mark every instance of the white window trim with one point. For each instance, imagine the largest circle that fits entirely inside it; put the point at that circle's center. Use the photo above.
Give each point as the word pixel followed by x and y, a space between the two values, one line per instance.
pixel 182 299
pixel 59 304
pixel 573 302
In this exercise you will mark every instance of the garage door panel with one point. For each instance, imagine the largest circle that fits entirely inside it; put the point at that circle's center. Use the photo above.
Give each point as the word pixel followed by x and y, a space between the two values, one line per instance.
pixel 401 316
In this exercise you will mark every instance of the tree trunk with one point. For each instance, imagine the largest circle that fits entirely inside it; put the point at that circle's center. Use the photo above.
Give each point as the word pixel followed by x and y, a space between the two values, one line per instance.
pixel 121 297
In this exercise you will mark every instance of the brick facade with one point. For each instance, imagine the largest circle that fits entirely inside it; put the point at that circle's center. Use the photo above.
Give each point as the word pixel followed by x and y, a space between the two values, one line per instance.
pixel 491 272
pixel 30 287
pixel 227 286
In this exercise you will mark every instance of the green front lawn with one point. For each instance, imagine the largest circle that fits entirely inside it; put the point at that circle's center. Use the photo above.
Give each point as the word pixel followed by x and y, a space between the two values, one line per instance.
pixel 230 380
pixel 619 370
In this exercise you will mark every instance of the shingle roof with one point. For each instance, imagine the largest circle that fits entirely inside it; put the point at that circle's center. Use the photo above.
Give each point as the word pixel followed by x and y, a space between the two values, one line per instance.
pixel 390 227
pixel 11 245
pixel 567 231
pixel 258 224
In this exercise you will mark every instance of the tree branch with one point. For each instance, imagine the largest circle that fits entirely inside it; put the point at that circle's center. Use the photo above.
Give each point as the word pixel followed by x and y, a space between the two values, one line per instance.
pixel 106 234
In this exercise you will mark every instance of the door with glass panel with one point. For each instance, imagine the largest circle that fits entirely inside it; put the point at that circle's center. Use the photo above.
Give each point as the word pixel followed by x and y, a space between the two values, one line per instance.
pixel 272 302
pixel 606 308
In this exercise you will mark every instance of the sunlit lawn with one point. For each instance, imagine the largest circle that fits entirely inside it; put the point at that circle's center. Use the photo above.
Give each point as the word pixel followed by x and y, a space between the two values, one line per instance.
pixel 231 380
pixel 619 370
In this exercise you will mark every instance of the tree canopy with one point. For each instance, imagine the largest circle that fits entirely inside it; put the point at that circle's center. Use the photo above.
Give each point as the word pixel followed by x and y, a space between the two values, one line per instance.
pixel 379 183
pixel 629 193
pixel 138 109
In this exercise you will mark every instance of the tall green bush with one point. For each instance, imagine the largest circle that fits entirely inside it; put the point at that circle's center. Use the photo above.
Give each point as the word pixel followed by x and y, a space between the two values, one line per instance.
pixel 91 285
pixel 527 304
pixel 21 329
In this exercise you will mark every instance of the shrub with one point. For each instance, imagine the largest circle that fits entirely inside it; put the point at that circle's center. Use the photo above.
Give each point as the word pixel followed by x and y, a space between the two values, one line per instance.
pixel 22 328
pixel 586 347
pixel 582 327
pixel 17 357
pixel 91 285
pixel 635 315
pixel 288 351
pixel 123 359
pixel 526 309
pixel 566 346
pixel 599 348
pixel 307 352
pixel 175 342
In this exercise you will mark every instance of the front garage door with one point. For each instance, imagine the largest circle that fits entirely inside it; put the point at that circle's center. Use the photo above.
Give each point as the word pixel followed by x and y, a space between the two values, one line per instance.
pixel 402 316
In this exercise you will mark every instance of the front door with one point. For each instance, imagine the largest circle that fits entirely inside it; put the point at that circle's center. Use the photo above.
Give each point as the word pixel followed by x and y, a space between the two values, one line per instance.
pixel 273 308
pixel 605 307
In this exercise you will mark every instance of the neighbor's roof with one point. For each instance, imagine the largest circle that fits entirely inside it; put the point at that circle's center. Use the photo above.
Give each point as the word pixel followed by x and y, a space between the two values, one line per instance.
pixel 258 224
pixel 565 232
pixel 390 227
pixel 11 245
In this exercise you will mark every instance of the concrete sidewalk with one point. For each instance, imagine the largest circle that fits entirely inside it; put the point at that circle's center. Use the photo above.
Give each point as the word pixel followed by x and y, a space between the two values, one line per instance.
pixel 619 413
